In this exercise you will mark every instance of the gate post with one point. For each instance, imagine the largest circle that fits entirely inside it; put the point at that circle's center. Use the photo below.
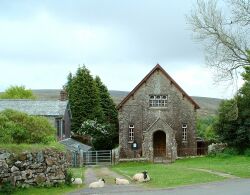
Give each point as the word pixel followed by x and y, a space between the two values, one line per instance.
pixel 96 159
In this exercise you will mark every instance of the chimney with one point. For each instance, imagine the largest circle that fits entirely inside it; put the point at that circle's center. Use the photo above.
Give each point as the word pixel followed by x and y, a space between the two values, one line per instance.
pixel 63 95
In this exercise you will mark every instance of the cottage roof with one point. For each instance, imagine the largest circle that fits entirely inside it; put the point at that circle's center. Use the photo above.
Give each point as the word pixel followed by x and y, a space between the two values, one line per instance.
pixel 158 67
pixel 35 107
pixel 74 145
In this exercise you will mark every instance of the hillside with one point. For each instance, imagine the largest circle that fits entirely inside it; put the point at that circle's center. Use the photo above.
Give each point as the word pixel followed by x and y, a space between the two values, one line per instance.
pixel 208 105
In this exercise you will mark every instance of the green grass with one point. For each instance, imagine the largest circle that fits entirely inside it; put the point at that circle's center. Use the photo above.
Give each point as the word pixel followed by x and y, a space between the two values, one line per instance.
pixel 181 172
pixel 234 165
pixel 166 175
pixel 19 148
pixel 48 191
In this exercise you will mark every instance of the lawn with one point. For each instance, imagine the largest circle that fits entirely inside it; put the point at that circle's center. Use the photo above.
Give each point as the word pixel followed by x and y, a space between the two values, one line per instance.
pixel 181 173
pixel 77 172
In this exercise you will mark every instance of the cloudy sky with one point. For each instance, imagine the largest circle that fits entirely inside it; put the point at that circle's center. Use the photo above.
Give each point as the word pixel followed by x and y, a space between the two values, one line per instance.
pixel 121 41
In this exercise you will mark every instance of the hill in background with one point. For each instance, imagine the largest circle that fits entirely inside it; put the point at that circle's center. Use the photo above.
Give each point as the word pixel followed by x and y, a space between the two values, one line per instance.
pixel 208 105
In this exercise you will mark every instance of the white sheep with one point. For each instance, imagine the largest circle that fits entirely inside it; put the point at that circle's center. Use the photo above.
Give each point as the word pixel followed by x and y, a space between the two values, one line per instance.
pixel 77 181
pixel 97 184
pixel 141 177
pixel 120 181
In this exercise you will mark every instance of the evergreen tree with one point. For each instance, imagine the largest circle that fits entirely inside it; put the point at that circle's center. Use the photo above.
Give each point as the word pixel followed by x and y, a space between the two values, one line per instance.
pixel 109 111
pixel 84 99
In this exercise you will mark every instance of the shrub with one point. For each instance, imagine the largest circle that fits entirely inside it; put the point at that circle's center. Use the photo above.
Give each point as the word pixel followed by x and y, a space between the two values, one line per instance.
pixel 68 177
pixel 7 188
pixel 247 152
pixel 17 127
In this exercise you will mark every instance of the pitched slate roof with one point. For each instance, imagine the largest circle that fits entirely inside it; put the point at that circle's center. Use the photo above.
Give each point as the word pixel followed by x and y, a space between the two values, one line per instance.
pixel 35 107
pixel 158 67
pixel 74 145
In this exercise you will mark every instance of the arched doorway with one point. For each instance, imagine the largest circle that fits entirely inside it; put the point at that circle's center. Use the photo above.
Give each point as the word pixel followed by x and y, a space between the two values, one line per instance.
pixel 159 143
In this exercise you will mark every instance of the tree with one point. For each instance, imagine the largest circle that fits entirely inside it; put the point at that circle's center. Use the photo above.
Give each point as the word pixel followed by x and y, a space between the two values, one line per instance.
pixel 226 37
pixel 109 111
pixel 93 110
pixel 17 92
pixel 233 126
pixel 84 99
pixel 205 128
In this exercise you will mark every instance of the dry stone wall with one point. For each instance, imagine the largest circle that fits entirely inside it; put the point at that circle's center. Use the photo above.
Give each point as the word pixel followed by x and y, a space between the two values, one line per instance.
pixel 45 167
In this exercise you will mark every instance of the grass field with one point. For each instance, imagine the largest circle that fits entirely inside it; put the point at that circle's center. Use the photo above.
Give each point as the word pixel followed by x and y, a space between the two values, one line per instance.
pixel 181 172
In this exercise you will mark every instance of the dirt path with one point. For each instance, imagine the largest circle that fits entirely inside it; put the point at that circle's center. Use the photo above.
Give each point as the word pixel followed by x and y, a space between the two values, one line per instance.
pixel 226 175
pixel 94 173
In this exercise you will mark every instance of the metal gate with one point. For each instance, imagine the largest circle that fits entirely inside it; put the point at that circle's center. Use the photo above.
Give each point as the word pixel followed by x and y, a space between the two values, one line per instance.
pixel 97 157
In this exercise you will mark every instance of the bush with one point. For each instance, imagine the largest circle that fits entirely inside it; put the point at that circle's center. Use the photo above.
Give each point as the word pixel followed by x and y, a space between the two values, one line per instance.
pixel 247 152
pixel 17 127
pixel 7 188
pixel 68 177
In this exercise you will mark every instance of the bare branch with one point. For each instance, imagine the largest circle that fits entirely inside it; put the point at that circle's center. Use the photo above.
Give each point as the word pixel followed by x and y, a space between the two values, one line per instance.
pixel 226 43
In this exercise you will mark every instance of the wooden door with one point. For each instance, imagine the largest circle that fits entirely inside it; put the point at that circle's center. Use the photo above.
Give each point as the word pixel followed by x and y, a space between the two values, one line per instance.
pixel 159 142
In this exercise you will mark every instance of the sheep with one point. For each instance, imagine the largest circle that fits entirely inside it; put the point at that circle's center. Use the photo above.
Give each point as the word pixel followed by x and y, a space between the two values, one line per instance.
pixel 120 181
pixel 97 184
pixel 77 181
pixel 141 177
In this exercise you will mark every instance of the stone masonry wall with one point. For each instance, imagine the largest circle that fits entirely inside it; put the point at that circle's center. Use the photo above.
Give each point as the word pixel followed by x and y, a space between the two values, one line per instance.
pixel 136 110
pixel 45 167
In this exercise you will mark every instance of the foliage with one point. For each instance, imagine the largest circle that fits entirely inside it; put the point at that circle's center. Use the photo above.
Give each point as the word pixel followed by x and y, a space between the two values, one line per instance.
pixel 83 98
pixel 102 134
pixel 7 188
pixel 17 92
pixel 17 127
pixel 68 177
pixel 224 34
pixel 110 116
pixel 205 128
pixel 93 110
pixel 247 152
pixel 233 125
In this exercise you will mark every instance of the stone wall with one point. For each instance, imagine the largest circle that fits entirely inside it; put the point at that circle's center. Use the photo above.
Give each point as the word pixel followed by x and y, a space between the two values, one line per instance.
pixel 46 167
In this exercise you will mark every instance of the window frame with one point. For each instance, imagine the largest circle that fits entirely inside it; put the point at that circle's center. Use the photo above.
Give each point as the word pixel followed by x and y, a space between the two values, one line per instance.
pixel 184 132
pixel 131 133
pixel 158 101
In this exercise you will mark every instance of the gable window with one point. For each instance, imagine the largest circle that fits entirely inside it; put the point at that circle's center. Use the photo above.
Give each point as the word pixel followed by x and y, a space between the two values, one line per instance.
pixel 158 100
pixel 131 133
pixel 184 132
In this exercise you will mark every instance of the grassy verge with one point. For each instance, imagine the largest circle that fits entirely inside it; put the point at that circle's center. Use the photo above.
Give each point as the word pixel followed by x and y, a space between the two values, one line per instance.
pixel 48 191
pixel 19 148
pixel 63 189
pixel 179 173
pixel 234 165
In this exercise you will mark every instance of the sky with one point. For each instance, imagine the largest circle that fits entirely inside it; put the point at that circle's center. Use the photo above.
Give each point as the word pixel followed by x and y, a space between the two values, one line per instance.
pixel 120 41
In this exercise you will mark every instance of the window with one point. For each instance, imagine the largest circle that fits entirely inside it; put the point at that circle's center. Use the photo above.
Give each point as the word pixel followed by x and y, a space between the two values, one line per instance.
pixel 184 132
pixel 131 133
pixel 158 100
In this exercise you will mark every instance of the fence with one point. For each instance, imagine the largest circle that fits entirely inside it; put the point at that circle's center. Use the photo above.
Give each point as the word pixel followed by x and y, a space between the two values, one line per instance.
pixel 97 157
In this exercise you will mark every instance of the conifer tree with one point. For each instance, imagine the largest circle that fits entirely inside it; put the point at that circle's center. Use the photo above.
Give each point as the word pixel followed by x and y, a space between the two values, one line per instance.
pixel 109 111
pixel 84 99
